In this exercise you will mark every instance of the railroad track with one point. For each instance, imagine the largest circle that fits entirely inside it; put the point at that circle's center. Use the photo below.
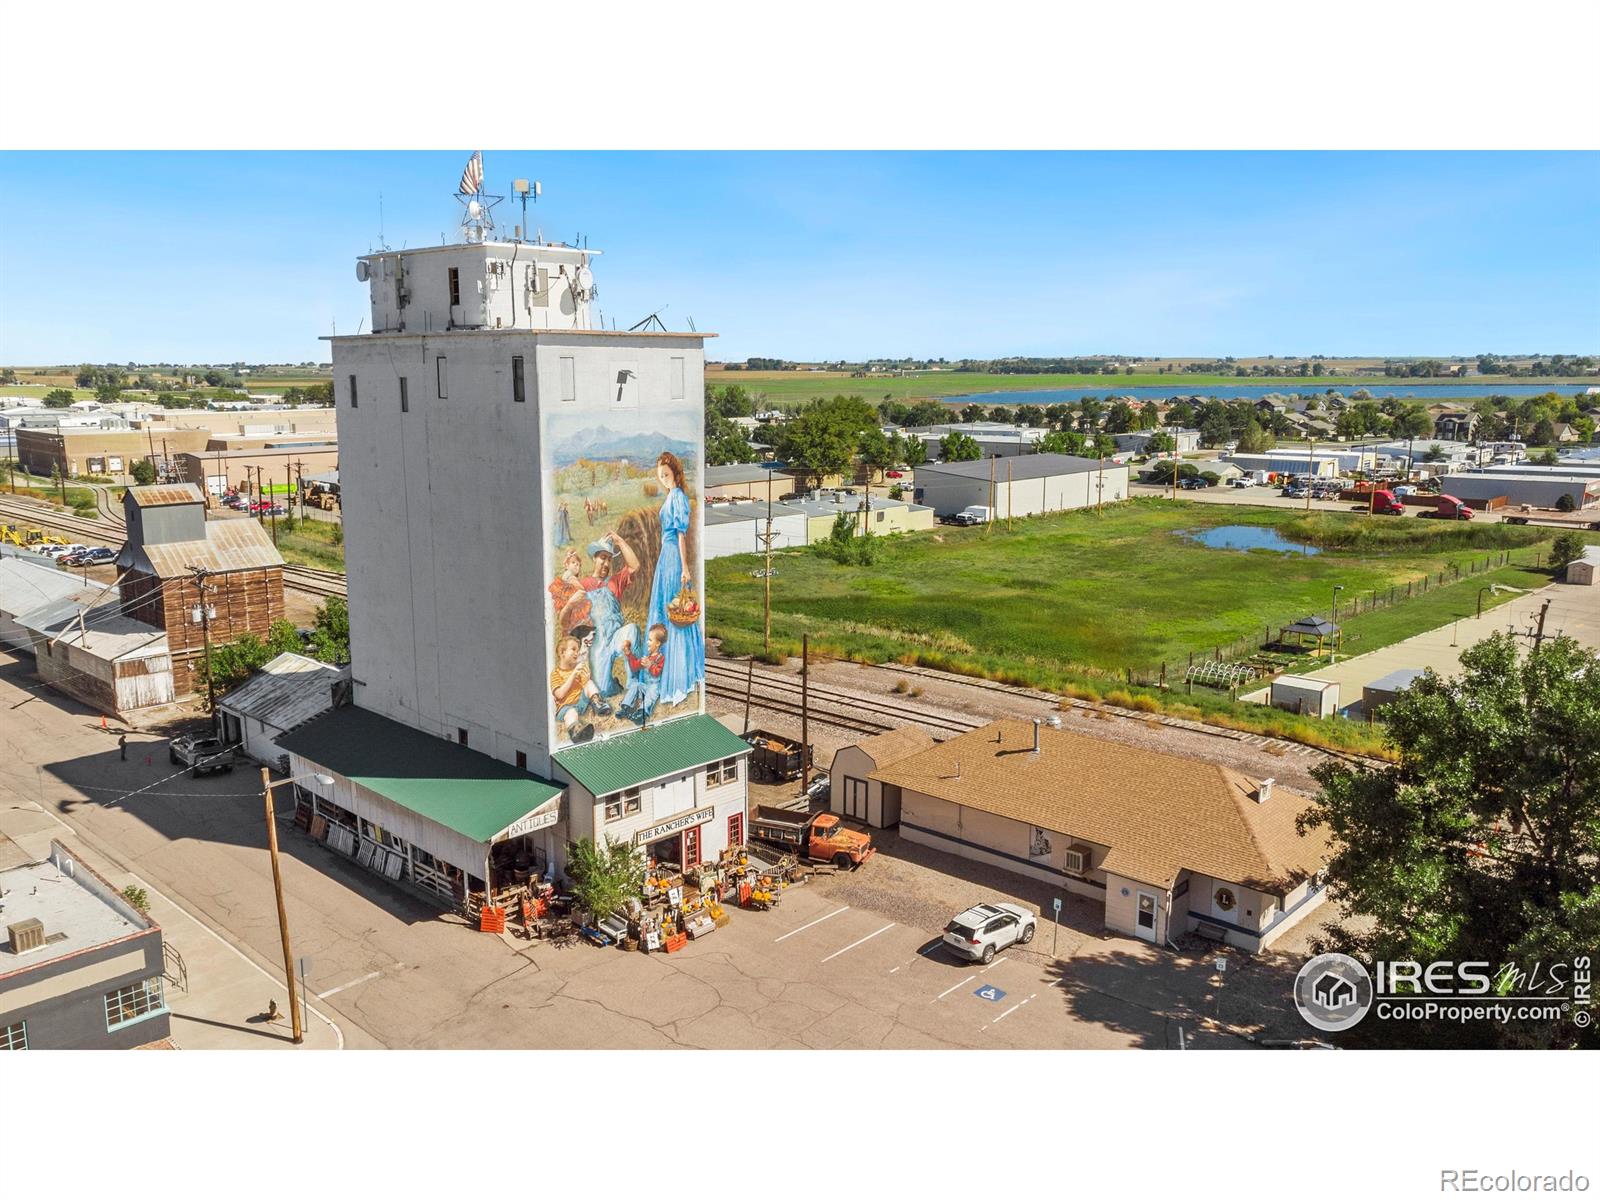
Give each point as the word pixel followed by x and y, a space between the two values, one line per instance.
pixel 782 693
pixel 312 581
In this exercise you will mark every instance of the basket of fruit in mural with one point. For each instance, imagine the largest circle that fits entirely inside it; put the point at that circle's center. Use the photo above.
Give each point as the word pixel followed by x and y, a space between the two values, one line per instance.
pixel 684 609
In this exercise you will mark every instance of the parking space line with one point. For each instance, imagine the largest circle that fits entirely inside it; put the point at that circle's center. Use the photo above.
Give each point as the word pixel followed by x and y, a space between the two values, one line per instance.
pixel 992 965
pixel 334 991
pixel 868 938
pixel 809 924
pixel 952 988
pixel 1008 1012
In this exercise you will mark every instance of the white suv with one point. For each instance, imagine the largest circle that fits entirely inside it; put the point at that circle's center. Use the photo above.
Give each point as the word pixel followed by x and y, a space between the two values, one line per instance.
pixel 985 929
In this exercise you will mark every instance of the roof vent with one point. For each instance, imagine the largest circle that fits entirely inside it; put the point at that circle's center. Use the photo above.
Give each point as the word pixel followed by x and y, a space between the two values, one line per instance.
pixel 1264 790
pixel 26 935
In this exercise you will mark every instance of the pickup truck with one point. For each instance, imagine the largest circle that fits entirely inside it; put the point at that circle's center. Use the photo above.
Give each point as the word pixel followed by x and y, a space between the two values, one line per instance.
pixel 972 514
pixel 820 837
pixel 202 755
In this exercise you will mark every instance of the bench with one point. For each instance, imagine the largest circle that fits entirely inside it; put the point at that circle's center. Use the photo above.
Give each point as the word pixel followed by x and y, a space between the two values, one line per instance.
pixel 1215 933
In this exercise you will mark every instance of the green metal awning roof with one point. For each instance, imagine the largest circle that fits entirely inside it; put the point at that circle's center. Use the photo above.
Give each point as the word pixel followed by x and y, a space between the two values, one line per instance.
pixel 629 759
pixel 471 793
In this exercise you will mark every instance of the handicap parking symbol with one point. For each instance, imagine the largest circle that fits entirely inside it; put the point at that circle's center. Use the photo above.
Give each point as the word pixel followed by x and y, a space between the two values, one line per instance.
pixel 989 993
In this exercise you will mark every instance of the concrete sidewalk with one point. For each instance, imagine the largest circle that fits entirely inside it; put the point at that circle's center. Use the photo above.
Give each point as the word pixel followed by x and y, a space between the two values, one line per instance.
pixel 1573 611
pixel 222 1006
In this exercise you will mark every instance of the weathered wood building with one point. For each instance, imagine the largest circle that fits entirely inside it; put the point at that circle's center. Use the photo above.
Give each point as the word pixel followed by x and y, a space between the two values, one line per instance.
pixel 175 560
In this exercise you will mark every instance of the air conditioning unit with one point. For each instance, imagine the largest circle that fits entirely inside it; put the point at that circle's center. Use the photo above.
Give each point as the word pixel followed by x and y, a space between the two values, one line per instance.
pixel 1077 859
pixel 26 935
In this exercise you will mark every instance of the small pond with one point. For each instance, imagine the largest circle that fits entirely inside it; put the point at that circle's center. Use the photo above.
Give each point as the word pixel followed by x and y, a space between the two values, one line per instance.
pixel 1249 537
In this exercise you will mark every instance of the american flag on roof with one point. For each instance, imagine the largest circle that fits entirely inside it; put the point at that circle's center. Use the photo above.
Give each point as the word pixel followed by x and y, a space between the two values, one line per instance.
pixel 472 177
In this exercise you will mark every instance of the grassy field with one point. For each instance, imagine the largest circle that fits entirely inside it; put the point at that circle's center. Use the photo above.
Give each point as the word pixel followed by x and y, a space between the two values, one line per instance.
pixel 1074 602
pixel 311 543
pixel 787 388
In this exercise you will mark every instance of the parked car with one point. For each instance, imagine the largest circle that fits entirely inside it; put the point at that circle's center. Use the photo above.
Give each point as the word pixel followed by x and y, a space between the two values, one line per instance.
pixel 203 755
pixel 986 929
pixel 1241 481
pixel 85 558
pixel 236 502
pixel 1190 483
pixel 100 555
pixel 60 552
pixel 972 514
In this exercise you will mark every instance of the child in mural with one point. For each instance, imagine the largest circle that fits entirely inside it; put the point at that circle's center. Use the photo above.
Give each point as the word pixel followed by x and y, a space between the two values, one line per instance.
pixel 602 590
pixel 685 650
pixel 569 586
pixel 639 701
pixel 574 691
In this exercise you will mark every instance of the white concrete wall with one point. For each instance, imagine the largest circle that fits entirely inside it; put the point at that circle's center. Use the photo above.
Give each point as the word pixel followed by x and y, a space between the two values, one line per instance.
pixel 445 513
pixel 502 285
pixel 741 537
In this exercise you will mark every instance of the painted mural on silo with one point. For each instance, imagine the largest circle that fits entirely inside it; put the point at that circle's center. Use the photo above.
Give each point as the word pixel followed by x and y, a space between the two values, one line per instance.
pixel 625 593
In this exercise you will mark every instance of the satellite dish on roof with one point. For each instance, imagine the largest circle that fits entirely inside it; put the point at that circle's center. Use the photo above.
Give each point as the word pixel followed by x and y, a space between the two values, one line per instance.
pixel 363 270
pixel 585 278
pixel 474 209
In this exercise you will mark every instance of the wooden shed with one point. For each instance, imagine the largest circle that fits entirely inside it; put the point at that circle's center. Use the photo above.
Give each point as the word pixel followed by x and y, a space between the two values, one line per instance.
pixel 854 793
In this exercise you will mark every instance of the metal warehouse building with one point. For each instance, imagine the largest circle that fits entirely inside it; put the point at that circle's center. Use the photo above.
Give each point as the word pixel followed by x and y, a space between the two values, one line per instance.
pixel 738 528
pixel 1021 486
pixel 1539 491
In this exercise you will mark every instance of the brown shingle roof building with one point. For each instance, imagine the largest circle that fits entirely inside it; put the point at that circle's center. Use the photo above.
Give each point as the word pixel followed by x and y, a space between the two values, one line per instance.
pixel 1199 841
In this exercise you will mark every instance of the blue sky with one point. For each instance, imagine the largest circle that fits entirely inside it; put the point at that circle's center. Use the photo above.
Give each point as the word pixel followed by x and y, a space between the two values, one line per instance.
pixel 202 257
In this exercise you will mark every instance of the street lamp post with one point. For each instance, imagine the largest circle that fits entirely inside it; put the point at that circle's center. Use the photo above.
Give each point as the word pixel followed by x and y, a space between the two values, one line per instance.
pixel 277 885
pixel 766 576
pixel 1334 655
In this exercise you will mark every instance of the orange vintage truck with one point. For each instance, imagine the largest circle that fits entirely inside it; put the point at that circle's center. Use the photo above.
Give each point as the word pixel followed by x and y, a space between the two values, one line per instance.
pixel 821 836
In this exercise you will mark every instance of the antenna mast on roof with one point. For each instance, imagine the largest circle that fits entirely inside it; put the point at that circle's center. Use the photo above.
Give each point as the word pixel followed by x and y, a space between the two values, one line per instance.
pixel 655 317
pixel 477 220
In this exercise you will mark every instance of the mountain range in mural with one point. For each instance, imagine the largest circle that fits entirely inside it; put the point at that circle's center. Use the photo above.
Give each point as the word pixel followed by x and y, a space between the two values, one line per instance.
pixel 603 442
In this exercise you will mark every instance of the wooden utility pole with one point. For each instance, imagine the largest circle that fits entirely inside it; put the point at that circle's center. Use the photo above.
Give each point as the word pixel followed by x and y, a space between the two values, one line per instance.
pixel 283 916
pixel 805 713
pixel 1174 472
pixel 200 587
pixel 300 485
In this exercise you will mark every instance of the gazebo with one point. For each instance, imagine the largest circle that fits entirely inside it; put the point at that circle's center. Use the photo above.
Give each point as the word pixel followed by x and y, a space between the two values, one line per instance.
pixel 1313 627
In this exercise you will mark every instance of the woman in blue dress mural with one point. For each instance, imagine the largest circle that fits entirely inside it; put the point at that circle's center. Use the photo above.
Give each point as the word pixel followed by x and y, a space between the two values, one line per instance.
pixel 686 644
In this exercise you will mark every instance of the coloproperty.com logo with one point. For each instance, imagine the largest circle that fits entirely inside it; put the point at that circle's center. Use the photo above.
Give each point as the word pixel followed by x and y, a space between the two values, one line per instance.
pixel 1334 992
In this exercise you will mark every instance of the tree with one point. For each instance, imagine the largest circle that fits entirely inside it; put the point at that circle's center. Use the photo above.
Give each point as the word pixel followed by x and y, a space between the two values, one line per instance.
pixel 972 412
pixel 1412 421
pixel 1119 419
pixel 1254 439
pixel 330 633
pixel 876 450
pixel 57 398
pixel 1566 548
pixel 234 662
pixel 1089 410
pixel 822 438
pixel 1565 503
pixel 604 876
pixel 1161 443
pixel 1434 453
pixel 1064 441
pixel 959 447
pixel 108 393
pixel 1544 432
pixel 1483 843
pixel 1180 415
pixel 143 471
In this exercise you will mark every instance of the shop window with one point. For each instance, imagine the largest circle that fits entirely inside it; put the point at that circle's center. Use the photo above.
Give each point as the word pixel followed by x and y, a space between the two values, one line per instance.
pixel 726 771
pixel 135 1002
pixel 14 1037
pixel 623 804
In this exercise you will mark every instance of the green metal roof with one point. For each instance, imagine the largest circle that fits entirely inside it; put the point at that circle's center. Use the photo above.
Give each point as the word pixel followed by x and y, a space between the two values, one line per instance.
pixel 629 759
pixel 471 793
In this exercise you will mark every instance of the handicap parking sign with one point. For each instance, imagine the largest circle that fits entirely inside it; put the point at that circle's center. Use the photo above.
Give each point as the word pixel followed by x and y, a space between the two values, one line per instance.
pixel 989 993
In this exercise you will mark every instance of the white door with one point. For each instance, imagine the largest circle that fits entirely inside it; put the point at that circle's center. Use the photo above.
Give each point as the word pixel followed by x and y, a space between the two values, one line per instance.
pixel 855 798
pixel 1144 916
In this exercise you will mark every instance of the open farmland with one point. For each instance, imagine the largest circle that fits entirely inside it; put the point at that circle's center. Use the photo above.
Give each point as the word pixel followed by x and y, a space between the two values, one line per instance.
pixel 1083 595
